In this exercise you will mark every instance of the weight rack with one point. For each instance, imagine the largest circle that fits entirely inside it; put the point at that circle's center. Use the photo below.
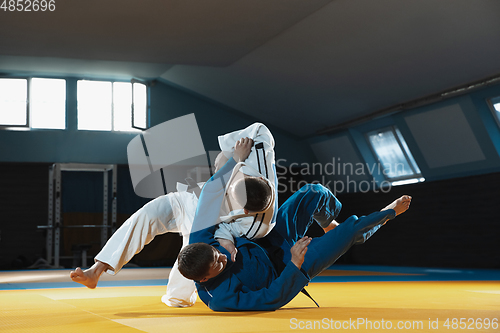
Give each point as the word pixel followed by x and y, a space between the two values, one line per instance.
pixel 54 223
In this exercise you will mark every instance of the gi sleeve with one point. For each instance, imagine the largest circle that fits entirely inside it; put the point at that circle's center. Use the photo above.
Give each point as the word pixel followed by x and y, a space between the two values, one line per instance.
pixel 223 231
pixel 281 291
pixel 209 205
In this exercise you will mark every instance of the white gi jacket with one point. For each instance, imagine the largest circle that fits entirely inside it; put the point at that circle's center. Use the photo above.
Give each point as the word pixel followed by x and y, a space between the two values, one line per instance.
pixel 260 163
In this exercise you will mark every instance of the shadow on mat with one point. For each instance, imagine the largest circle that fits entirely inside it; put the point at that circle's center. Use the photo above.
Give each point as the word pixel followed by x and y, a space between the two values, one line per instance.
pixel 187 314
pixel 209 313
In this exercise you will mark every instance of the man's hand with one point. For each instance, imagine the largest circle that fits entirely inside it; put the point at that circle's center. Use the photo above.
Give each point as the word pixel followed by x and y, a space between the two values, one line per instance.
pixel 220 160
pixel 299 251
pixel 229 246
pixel 242 149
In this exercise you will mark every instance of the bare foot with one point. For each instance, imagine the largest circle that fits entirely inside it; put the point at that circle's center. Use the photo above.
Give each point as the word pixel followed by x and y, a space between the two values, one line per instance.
pixel 89 277
pixel 332 226
pixel 400 205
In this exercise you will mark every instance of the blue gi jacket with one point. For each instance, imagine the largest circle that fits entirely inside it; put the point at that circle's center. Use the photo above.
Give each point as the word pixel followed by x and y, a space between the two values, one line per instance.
pixel 250 283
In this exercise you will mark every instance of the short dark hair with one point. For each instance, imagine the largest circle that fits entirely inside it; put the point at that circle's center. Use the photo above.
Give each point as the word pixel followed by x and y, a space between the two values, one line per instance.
pixel 194 260
pixel 258 193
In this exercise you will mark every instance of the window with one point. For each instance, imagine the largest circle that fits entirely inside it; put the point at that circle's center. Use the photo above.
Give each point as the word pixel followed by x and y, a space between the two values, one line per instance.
pixel 13 102
pixel 33 103
pixel 495 108
pixel 397 162
pixel 48 103
pixel 111 106
pixel 94 105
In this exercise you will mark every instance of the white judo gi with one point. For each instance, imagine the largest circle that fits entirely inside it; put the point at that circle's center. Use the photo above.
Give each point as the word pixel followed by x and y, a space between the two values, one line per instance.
pixel 175 212
pixel 260 163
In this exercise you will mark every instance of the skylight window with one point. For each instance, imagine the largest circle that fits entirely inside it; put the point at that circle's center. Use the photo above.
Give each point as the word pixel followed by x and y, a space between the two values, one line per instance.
pixel 393 154
pixel 106 106
pixel 495 103
pixel 33 103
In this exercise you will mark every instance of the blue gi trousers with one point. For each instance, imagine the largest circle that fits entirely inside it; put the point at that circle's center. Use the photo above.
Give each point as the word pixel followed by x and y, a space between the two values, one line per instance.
pixel 316 202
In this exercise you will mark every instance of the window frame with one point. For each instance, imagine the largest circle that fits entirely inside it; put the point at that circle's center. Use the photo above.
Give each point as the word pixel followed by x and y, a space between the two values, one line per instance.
pixel 65 103
pixel 132 81
pixel 494 112
pixel 415 176
pixel 29 89
pixel 28 100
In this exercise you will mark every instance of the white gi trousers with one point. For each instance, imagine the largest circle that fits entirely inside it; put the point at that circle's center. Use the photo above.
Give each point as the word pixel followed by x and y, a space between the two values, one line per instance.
pixel 173 212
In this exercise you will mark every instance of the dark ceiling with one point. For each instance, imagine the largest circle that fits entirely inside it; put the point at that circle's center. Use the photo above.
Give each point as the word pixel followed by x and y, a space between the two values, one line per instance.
pixel 302 65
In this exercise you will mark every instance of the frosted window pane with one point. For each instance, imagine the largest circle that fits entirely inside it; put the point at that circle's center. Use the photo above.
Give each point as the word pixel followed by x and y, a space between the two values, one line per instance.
pixel 408 152
pixel 94 105
pixel 390 154
pixel 13 95
pixel 497 108
pixel 140 105
pixel 122 104
pixel 48 103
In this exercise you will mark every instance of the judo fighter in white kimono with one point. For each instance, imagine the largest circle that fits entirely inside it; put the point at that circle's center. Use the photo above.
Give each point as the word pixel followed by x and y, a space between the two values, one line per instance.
pixel 174 212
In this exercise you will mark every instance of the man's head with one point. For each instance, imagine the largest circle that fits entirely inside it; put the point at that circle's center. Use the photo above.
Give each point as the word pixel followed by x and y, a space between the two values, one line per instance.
pixel 200 262
pixel 252 193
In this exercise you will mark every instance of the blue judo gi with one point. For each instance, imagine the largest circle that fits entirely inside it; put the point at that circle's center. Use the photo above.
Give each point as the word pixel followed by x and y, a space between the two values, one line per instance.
pixel 263 277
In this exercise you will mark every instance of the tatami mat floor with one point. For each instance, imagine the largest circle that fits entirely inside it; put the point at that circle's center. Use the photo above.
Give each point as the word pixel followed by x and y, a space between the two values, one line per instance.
pixel 352 298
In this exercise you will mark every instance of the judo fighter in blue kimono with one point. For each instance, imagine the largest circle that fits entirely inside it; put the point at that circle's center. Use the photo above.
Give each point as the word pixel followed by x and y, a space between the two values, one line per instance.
pixel 175 211
pixel 268 273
